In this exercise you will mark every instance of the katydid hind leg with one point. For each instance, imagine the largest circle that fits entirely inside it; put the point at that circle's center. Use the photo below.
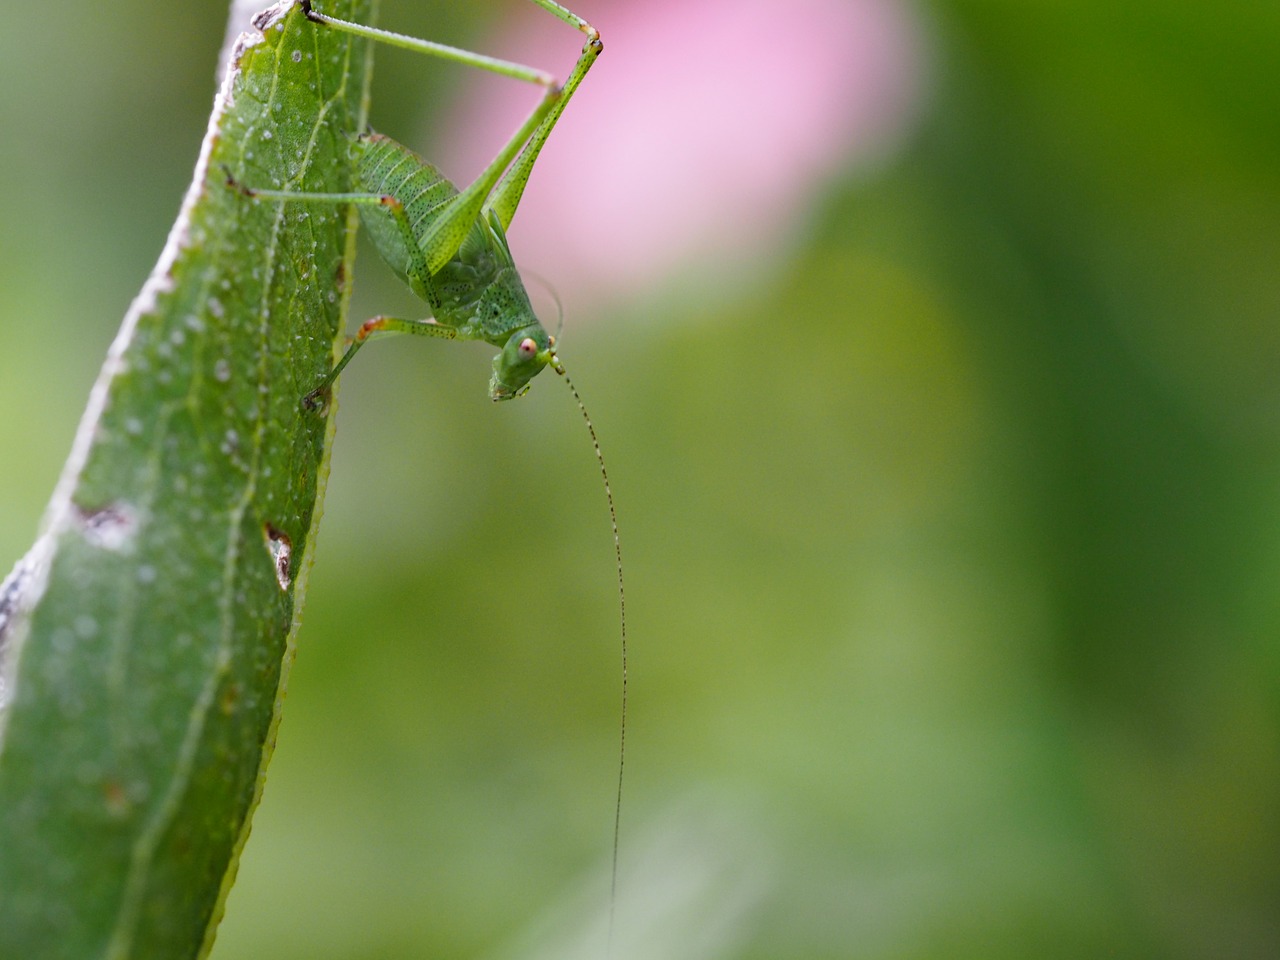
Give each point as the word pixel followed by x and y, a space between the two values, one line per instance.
pixel 441 242
pixel 500 186
pixel 506 196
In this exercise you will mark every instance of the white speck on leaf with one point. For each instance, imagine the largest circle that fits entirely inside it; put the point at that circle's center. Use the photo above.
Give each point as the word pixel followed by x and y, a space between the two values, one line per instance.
pixel 280 547
pixel 111 527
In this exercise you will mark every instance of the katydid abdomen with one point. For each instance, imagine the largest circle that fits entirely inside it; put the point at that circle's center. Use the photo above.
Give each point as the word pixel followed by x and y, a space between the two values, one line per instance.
pixel 384 166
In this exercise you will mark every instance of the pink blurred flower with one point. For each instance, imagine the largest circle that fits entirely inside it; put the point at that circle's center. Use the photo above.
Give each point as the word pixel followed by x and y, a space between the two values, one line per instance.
pixel 701 137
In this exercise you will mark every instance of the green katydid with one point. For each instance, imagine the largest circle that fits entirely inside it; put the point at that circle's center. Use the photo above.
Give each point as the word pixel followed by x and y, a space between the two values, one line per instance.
pixel 450 247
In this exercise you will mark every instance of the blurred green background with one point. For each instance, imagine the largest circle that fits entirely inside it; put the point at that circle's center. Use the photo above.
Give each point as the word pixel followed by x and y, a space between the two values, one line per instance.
pixel 952 547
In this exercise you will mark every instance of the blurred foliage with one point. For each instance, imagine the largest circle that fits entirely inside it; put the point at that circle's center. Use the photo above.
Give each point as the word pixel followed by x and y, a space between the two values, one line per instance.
pixel 951 554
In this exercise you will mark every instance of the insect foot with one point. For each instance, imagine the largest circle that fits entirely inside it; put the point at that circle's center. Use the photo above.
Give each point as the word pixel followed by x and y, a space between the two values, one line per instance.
pixel 317 401
pixel 234 184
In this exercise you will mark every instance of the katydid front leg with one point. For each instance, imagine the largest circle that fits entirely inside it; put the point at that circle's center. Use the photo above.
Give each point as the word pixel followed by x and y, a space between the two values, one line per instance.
pixel 425 328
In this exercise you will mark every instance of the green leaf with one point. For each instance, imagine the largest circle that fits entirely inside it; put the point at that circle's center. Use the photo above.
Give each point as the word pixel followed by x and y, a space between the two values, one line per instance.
pixel 146 638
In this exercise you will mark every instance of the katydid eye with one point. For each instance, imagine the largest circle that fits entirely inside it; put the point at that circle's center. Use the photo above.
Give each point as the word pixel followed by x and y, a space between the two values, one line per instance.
pixel 528 348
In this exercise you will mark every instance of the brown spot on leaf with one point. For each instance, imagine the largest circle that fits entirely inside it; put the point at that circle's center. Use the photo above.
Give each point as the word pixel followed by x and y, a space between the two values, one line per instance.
pixel 230 698
pixel 116 798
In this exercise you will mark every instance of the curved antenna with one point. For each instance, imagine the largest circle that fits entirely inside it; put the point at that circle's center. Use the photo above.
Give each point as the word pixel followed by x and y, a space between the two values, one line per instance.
pixel 559 317
pixel 558 367
pixel 555 298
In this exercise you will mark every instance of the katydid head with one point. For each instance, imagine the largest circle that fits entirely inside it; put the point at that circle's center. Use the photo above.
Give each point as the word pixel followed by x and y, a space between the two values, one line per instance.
pixel 523 356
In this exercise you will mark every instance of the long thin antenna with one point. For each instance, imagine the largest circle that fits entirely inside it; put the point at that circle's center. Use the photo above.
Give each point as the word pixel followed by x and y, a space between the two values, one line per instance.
pixel 555 298
pixel 558 367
